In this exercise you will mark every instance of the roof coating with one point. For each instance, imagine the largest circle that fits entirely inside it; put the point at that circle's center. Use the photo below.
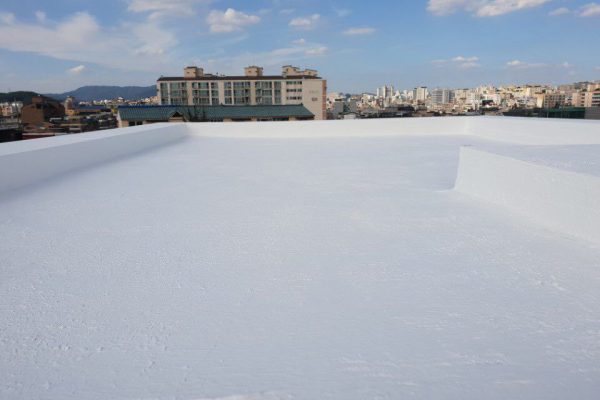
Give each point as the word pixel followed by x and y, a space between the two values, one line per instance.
pixel 302 260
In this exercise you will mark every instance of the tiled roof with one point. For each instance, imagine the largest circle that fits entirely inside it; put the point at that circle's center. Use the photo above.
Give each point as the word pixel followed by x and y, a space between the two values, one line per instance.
pixel 203 113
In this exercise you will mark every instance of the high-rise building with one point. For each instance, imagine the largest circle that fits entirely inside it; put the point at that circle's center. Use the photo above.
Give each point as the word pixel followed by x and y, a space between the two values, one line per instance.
pixel 586 98
pixel 293 87
pixel 551 100
pixel 420 93
pixel 385 92
pixel 442 96
pixel 473 99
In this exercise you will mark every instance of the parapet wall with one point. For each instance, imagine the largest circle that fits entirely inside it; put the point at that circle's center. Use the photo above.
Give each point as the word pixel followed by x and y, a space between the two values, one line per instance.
pixel 556 199
pixel 338 128
pixel 560 200
pixel 533 131
pixel 33 161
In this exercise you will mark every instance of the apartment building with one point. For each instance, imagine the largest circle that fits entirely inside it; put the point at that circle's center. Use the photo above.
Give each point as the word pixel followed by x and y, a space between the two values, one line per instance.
pixel 551 100
pixel 10 109
pixel 442 96
pixel 420 94
pixel 293 87
pixel 586 98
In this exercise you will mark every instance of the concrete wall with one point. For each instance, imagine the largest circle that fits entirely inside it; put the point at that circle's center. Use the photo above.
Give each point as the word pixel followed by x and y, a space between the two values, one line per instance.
pixel 557 199
pixel 534 131
pixel 34 161
pixel 560 200
pixel 339 128
pixel 512 130
pixel 314 93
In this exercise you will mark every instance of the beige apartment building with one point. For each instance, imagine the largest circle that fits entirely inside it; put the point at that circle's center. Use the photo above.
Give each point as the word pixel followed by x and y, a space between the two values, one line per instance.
pixel 551 100
pixel 586 99
pixel 293 87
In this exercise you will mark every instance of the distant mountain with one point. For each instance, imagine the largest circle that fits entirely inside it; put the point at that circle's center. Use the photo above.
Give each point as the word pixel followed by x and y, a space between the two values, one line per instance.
pixel 24 97
pixel 91 93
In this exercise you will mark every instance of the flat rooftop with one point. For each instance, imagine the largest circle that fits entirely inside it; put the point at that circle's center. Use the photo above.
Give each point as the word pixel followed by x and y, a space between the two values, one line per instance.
pixel 368 259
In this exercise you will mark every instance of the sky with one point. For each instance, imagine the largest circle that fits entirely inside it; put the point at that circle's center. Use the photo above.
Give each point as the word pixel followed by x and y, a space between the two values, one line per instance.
pixel 59 45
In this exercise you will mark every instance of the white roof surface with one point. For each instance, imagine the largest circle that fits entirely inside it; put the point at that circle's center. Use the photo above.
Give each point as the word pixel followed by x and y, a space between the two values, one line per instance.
pixel 341 265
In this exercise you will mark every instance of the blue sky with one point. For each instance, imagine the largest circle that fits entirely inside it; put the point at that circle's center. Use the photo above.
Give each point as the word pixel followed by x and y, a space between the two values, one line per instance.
pixel 59 45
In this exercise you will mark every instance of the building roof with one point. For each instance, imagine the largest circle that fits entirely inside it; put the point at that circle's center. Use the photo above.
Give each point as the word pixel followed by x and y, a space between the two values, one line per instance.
pixel 85 108
pixel 303 260
pixel 200 113
pixel 236 78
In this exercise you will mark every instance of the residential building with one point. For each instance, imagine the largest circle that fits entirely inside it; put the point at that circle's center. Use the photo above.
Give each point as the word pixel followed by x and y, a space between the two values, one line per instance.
pixel 337 108
pixel 595 102
pixel 41 110
pixel 420 94
pixel 11 109
pixel 586 98
pixel 551 100
pixel 442 96
pixel 385 92
pixel 293 87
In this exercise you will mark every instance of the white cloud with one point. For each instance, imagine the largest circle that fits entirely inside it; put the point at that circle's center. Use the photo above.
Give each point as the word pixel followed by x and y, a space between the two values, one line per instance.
pixel 230 20
pixel 469 65
pixel 7 18
pixel 163 8
pixel 156 41
pixel 459 61
pixel 465 59
pixel 518 64
pixel 80 38
pixel 316 51
pixel 287 11
pixel 358 31
pixel 40 16
pixel 269 59
pixel 515 63
pixel 300 41
pixel 481 8
pixel 305 22
pixel 77 70
pixel 559 11
pixel 590 10
pixel 342 12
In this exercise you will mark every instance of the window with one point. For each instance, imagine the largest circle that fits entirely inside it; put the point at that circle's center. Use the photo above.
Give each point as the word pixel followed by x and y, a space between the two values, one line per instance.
pixel 241 92
pixel 241 85
pixel 178 86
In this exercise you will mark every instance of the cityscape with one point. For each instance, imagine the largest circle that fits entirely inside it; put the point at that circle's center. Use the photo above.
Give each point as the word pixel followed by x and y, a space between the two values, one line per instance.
pixel 337 62
pixel 295 94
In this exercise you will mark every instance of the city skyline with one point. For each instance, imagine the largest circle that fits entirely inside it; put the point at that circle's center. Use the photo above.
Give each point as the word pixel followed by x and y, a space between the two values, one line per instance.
pixel 357 46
